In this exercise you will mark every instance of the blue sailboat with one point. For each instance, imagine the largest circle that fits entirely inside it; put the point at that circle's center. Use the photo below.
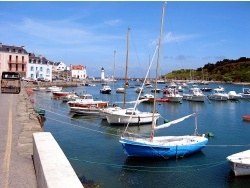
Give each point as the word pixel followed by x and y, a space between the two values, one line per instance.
pixel 162 146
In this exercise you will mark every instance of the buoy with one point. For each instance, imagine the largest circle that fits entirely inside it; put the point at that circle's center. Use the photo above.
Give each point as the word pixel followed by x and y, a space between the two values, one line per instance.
pixel 209 134
pixel 165 120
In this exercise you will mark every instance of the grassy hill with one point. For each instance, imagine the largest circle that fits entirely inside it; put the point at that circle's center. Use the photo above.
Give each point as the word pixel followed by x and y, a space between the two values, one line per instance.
pixel 226 71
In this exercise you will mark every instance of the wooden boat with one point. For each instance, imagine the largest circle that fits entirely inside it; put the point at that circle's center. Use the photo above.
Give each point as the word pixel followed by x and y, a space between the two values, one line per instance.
pixel 240 163
pixel 246 118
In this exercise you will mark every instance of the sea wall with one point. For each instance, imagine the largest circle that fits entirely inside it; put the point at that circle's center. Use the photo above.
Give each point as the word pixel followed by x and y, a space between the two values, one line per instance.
pixel 52 167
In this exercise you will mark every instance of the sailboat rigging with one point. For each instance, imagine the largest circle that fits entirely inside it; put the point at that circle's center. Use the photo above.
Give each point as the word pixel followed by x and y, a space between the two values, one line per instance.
pixel 129 115
pixel 162 146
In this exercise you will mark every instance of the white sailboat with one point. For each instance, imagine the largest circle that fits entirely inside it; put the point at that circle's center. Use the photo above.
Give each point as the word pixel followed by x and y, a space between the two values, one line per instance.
pixel 162 146
pixel 123 116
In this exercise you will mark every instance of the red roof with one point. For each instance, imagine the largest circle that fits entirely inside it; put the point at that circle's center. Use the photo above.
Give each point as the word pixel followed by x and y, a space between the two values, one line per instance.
pixel 77 67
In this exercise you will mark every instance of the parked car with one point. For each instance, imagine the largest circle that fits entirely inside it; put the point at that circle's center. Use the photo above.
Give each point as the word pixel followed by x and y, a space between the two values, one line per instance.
pixel 41 79
pixel 46 80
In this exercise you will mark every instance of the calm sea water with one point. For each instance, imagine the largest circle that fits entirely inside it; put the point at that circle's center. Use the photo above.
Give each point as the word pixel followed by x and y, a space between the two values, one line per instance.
pixel 93 148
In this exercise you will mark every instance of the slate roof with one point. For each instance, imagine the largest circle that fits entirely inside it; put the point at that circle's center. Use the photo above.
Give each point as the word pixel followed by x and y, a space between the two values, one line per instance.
pixel 42 59
pixel 12 49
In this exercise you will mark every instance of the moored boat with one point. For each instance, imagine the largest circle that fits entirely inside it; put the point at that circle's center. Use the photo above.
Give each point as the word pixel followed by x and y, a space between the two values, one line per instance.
pixel 54 89
pixel 246 93
pixel 163 146
pixel 219 94
pixel 232 95
pixel 131 116
pixel 149 98
pixel 106 89
pixel 240 163
pixel 87 100
pixel 62 93
pixel 246 118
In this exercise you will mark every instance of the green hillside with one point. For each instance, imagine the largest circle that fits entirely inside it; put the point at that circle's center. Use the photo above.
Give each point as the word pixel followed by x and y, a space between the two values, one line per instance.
pixel 226 70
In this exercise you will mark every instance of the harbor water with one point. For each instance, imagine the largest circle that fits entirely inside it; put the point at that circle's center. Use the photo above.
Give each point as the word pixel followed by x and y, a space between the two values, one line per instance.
pixel 93 149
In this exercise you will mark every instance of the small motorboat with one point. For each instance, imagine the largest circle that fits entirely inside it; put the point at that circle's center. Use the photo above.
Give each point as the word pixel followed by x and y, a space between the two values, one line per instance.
pixel 240 163
pixel 106 89
pixel 246 118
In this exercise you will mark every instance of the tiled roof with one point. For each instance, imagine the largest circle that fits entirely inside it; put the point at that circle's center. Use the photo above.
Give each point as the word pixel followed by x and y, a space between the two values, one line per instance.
pixel 77 67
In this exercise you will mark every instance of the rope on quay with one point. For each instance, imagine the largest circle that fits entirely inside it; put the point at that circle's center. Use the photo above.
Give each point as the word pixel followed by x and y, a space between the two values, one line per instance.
pixel 181 169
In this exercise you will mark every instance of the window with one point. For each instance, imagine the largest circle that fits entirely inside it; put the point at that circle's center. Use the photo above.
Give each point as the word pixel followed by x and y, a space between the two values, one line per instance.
pixel 32 68
pixel 48 71
pixel 41 69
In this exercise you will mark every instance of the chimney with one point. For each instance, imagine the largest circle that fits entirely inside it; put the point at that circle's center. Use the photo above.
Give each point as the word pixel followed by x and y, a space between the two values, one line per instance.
pixel 23 47
pixel 1 45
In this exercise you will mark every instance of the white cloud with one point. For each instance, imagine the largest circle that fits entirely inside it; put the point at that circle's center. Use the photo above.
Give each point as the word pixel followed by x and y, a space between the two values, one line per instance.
pixel 112 22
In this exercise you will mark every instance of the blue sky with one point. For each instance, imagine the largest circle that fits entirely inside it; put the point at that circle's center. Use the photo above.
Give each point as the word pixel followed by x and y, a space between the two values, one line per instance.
pixel 88 33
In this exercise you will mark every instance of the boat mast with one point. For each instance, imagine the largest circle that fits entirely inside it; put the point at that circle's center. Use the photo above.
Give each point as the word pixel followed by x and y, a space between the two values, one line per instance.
pixel 126 71
pixel 157 69
pixel 113 79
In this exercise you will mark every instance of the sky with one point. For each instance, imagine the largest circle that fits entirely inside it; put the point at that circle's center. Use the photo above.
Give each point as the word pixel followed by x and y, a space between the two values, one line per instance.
pixel 94 33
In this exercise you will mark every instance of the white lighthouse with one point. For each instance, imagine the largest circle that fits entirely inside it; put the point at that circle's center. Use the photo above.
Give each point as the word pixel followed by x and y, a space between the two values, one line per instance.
pixel 102 74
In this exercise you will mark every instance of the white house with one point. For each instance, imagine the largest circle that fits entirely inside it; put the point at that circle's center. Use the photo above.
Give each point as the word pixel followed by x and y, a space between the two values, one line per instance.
pixel 59 66
pixel 78 72
pixel 39 67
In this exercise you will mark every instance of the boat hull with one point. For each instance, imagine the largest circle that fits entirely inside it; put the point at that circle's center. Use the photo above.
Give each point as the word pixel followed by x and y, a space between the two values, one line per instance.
pixel 138 119
pixel 240 163
pixel 141 148
pixel 246 118
pixel 218 97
